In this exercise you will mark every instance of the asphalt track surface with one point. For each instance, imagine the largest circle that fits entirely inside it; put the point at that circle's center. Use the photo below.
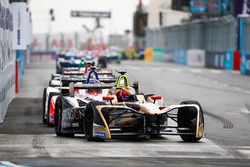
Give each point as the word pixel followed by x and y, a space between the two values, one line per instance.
pixel 25 141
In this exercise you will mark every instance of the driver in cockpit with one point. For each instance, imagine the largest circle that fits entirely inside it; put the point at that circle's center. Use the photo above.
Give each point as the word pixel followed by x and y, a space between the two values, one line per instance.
pixel 122 89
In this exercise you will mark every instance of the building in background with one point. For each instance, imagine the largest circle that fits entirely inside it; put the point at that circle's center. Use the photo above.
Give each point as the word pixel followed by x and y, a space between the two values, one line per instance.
pixel 140 22
pixel 161 13
pixel 211 8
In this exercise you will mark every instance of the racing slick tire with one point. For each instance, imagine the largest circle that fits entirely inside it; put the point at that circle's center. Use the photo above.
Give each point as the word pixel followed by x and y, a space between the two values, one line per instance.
pixel 58 119
pixel 48 109
pixel 89 120
pixel 44 102
pixel 186 117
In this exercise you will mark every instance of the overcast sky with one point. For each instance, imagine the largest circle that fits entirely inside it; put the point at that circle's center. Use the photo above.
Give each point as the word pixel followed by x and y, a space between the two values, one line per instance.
pixel 122 12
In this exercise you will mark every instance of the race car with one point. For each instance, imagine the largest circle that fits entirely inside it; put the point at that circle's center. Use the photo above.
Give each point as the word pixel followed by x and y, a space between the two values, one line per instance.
pixel 94 55
pixel 79 74
pixel 112 56
pixel 118 111
pixel 69 59
pixel 50 93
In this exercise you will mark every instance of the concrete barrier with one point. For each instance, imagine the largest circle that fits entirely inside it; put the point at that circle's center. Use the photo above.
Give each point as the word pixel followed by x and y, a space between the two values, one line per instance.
pixel 245 64
pixel 148 55
pixel 248 65
pixel 229 60
pixel 169 55
pixel 236 60
pixel 158 54
pixel 180 56
pixel 7 60
pixel 42 56
pixel 196 58
pixel 215 60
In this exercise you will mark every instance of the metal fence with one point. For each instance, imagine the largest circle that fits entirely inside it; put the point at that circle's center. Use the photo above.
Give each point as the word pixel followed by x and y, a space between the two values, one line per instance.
pixel 245 35
pixel 219 34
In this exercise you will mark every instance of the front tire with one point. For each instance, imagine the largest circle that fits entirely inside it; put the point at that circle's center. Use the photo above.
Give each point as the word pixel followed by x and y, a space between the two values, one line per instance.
pixel 187 118
pixel 58 120
pixel 88 122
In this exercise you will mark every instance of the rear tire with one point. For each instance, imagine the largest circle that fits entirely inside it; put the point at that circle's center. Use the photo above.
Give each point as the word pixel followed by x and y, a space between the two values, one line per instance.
pixel 44 103
pixel 186 118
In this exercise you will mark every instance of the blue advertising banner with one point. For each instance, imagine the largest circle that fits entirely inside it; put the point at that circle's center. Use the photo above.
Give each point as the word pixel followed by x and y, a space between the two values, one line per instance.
pixel 243 63
pixel 229 60
pixel 180 56
pixel 197 6
pixel 226 6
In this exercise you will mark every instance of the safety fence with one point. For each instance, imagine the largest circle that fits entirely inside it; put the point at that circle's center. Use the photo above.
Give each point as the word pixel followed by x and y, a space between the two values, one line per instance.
pixel 211 43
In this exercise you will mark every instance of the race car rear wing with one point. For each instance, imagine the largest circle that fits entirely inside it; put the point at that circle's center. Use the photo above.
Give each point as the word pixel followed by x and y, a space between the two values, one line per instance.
pixel 77 72
pixel 66 81
pixel 93 86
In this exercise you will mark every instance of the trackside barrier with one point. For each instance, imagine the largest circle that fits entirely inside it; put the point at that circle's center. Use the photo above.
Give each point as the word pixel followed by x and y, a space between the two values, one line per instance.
pixel 236 60
pixel 7 58
pixel 20 64
pixel 42 56
pixel 180 56
pixel 229 60
pixel 215 60
pixel 245 64
pixel 148 54
pixel 196 58
pixel 169 55
pixel 248 65
pixel 158 54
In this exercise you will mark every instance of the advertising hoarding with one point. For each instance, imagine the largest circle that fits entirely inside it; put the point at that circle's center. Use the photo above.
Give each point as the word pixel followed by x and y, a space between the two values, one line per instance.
pixel 20 22
pixel 197 6
pixel 7 58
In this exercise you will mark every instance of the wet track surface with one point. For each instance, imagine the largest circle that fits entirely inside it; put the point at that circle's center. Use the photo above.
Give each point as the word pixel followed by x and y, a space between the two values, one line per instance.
pixel 24 140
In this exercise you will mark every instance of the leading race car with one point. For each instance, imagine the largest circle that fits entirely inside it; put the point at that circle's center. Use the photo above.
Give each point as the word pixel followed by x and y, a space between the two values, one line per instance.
pixel 119 111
